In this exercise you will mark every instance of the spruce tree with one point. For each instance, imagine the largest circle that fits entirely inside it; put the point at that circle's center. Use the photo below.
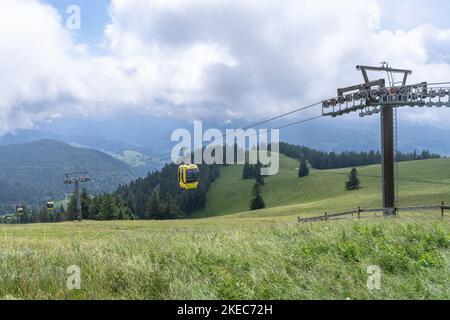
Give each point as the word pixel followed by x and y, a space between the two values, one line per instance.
pixel 171 210
pixel 353 180
pixel 154 206
pixel 258 175
pixel 247 172
pixel 85 203
pixel 72 208
pixel 43 215
pixel 107 208
pixel 303 171
pixel 257 200
pixel 94 208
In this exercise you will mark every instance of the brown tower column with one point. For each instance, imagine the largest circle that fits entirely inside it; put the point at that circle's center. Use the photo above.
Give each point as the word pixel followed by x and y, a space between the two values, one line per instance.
pixel 387 154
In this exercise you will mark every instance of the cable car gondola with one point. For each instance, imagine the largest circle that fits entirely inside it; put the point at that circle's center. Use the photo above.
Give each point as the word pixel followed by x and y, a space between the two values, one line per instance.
pixel 19 210
pixel 50 206
pixel 188 176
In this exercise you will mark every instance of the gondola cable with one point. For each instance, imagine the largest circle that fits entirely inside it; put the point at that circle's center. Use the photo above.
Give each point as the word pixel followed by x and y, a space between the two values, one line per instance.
pixel 167 154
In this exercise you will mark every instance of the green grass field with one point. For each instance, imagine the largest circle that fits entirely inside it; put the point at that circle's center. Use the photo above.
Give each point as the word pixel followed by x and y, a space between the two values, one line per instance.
pixel 420 182
pixel 263 254
pixel 233 258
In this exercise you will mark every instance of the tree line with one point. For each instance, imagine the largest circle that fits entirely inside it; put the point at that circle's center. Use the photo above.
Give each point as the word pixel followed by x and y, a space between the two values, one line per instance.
pixel 158 196
pixel 100 207
pixel 333 160
pixel 35 215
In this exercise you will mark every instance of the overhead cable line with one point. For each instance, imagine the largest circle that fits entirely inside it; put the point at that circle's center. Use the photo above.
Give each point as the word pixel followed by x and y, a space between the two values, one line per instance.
pixel 283 115
pixel 263 122
pixel 277 128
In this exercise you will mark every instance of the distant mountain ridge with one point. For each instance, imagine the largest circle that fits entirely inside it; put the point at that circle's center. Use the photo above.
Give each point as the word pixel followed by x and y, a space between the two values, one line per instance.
pixel 151 135
pixel 130 153
pixel 33 173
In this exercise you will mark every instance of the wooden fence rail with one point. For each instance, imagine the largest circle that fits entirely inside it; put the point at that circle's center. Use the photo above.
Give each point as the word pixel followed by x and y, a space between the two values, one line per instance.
pixel 386 211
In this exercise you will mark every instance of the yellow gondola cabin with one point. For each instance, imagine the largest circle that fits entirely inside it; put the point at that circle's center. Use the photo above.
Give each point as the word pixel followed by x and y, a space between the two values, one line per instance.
pixel 50 206
pixel 188 176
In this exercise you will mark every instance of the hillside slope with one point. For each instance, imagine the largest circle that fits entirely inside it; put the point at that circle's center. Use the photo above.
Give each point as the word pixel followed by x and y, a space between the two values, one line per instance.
pixel 34 172
pixel 420 182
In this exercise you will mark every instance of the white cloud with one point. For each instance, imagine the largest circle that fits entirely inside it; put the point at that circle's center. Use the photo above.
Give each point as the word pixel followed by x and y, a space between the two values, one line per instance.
pixel 202 59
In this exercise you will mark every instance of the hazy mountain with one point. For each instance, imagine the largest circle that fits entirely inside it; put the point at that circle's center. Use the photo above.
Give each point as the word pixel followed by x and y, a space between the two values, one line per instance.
pixel 34 172
pixel 129 153
pixel 146 134
pixel 138 139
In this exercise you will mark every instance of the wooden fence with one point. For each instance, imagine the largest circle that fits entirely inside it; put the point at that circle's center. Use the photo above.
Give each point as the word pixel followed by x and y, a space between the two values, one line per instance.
pixel 385 211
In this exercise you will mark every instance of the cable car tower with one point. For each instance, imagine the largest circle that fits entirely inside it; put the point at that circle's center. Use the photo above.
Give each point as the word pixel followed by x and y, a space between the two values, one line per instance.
pixel 373 97
pixel 80 177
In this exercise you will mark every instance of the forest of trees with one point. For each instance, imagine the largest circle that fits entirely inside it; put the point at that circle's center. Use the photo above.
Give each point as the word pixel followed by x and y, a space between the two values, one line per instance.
pixel 35 215
pixel 100 207
pixel 334 160
pixel 158 196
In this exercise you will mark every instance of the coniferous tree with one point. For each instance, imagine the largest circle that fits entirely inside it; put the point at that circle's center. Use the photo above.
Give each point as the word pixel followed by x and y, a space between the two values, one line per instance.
pixel 303 171
pixel 154 206
pixel 353 180
pixel 248 172
pixel 85 203
pixel 72 208
pixel 258 175
pixel 43 215
pixel 257 200
pixel 128 214
pixel 171 210
pixel 94 209
pixel 108 210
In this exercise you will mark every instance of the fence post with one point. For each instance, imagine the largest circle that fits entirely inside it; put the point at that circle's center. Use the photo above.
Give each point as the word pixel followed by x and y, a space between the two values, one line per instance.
pixel 359 212
pixel 442 209
pixel 326 216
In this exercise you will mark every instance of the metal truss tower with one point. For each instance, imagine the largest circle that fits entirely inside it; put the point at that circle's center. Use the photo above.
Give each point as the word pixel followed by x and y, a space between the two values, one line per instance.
pixel 81 177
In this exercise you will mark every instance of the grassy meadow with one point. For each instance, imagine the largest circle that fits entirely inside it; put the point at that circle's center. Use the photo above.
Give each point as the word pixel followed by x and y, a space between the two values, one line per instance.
pixel 420 182
pixel 238 254
pixel 232 258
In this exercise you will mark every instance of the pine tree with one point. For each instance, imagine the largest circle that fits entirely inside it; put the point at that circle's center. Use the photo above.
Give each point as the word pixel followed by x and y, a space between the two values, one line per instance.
pixel 247 173
pixel 94 209
pixel 128 213
pixel 154 206
pixel 171 210
pixel 258 175
pixel 72 208
pixel 303 171
pixel 85 203
pixel 43 215
pixel 257 200
pixel 353 180
pixel 108 209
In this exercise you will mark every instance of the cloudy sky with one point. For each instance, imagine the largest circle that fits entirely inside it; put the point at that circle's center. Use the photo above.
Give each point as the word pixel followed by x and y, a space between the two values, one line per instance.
pixel 206 59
